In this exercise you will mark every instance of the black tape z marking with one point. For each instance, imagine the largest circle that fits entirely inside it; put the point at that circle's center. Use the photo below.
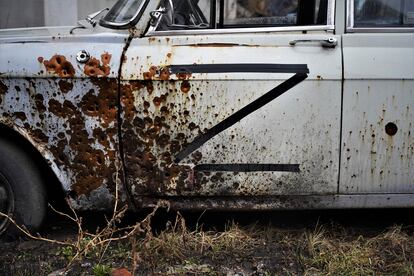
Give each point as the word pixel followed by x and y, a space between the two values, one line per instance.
pixel 247 167
pixel 301 74
pixel 239 68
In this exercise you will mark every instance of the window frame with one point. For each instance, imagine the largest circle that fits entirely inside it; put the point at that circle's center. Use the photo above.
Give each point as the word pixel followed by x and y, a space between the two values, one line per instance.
pixel 350 26
pixel 330 26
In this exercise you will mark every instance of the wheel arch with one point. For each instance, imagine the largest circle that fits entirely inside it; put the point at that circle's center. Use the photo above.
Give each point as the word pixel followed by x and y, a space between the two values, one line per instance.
pixel 56 182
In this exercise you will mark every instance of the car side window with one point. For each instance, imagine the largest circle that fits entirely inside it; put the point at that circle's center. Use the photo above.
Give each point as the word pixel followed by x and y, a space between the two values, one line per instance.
pixel 212 14
pixel 383 13
pixel 185 14
pixel 252 13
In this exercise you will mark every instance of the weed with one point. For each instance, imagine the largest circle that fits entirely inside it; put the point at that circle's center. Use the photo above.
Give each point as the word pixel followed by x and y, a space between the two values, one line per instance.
pixel 67 251
pixel 101 270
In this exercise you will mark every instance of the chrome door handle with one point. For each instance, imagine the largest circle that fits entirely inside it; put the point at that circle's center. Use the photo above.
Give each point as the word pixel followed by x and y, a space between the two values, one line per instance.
pixel 328 43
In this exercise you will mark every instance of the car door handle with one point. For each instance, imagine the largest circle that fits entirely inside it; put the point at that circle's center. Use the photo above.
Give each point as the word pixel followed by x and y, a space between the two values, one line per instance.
pixel 327 43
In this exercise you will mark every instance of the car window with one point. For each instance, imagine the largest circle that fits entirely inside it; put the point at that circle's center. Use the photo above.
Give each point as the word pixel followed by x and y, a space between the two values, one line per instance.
pixel 199 14
pixel 383 13
pixel 185 14
pixel 245 13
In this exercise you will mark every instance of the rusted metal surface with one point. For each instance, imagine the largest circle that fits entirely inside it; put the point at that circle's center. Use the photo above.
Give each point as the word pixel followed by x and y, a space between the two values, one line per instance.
pixel 160 119
pixel 78 126
pixel 163 113
pixel 66 109
pixel 58 65
pixel 286 202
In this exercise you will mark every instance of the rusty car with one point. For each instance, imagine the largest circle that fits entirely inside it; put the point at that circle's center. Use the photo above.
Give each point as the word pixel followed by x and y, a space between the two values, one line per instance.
pixel 210 104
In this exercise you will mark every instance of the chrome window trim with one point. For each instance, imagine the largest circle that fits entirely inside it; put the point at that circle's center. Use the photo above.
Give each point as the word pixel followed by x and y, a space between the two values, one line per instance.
pixel 130 23
pixel 350 28
pixel 241 30
pixel 330 26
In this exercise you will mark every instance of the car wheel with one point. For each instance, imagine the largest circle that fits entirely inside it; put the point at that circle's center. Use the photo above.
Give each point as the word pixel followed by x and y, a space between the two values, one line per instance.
pixel 22 193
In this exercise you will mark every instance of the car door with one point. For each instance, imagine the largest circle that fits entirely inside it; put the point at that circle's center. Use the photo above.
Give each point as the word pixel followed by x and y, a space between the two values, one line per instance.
pixel 378 114
pixel 235 98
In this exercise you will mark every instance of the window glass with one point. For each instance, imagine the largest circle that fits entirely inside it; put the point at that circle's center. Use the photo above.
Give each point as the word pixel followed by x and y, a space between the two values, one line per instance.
pixel 384 13
pixel 123 11
pixel 244 13
pixel 185 14
pixel 202 14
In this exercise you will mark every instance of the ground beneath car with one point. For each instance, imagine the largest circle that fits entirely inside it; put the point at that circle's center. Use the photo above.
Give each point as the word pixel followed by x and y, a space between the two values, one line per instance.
pixel 264 243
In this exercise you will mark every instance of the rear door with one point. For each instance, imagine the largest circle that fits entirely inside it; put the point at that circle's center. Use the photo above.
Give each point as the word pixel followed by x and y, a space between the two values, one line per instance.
pixel 378 118
pixel 233 98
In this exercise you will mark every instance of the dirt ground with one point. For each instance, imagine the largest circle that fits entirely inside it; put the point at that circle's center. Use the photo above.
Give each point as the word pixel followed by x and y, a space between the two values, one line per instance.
pixel 347 242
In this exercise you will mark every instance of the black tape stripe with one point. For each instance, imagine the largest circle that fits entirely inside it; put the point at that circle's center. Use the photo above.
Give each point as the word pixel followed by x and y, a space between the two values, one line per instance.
pixel 239 68
pixel 248 167
pixel 237 116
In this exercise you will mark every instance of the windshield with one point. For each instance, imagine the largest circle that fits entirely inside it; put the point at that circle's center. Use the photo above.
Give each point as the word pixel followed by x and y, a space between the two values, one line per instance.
pixel 123 13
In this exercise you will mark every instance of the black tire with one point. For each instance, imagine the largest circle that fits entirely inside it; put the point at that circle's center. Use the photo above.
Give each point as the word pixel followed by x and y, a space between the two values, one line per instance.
pixel 22 193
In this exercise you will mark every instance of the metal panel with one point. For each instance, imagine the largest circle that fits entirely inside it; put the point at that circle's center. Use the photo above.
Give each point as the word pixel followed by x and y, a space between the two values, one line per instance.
pixel 377 144
pixel 372 160
pixel 68 110
pixel 164 112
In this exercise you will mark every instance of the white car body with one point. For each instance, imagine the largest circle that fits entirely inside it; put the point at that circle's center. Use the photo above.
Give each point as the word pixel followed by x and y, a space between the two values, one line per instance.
pixel 340 136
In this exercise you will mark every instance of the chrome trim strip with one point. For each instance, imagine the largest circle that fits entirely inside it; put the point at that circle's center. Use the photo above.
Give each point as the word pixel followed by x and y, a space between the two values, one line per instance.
pixel 330 18
pixel 152 32
pixel 125 25
pixel 380 30
pixel 350 14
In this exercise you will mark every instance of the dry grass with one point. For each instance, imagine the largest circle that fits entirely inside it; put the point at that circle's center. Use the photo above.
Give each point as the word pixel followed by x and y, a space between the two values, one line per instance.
pixel 332 253
pixel 325 249
pixel 250 250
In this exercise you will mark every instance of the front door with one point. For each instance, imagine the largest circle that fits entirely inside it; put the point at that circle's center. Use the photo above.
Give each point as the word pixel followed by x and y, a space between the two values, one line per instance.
pixel 239 98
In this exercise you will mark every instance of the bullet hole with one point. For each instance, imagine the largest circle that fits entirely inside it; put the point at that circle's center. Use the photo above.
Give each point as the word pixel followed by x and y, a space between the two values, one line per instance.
pixel 391 129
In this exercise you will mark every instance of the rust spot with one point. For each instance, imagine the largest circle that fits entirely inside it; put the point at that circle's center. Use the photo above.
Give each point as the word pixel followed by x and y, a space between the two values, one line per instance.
pixel 65 86
pixel 185 86
pixel 197 156
pixel 169 55
pixel 39 136
pixel 40 59
pixel 150 74
pixel 60 66
pixel 192 126
pixel 102 105
pixel 94 68
pixel 39 102
pixel 106 59
pixel 183 76
pixel 3 90
pixel 20 115
pixel 127 98
pixel 214 45
pixel 158 100
pixel 391 129
pixel 165 74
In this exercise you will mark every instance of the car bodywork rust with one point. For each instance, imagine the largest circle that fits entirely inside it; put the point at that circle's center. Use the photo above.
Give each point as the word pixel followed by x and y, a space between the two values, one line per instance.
pixel 72 122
